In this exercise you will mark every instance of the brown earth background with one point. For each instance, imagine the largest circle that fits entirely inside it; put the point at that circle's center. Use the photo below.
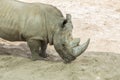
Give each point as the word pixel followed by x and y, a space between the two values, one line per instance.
pixel 98 20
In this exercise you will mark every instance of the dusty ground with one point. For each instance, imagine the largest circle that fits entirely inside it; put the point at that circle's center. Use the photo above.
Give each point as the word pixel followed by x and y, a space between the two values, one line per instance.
pixel 95 19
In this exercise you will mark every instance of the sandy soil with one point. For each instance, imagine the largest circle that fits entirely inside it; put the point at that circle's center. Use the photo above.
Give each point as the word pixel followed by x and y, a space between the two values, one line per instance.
pixel 95 19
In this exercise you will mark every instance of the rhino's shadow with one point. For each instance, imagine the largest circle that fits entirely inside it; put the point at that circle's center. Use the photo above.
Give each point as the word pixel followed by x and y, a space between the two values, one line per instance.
pixel 22 50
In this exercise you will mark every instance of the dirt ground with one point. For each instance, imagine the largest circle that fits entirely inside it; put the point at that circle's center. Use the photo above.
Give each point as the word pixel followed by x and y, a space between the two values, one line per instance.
pixel 95 19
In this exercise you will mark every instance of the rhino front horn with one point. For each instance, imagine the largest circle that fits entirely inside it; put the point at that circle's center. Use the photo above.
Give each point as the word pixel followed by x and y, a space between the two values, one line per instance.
pixel 80 49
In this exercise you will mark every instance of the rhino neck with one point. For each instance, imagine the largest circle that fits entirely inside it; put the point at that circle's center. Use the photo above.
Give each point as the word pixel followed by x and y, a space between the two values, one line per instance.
pixel 54 20
pixel 50 33
pixel 53 25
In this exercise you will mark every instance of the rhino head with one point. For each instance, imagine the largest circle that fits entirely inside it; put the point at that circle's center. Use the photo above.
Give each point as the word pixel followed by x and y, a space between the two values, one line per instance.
pixel 67 46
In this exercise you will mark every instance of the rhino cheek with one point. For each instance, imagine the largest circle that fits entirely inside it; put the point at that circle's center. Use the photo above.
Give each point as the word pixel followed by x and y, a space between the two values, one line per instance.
pixel 64 51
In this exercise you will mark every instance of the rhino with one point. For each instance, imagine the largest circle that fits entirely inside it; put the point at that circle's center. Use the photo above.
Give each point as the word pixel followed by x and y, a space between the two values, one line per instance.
pixel 39 25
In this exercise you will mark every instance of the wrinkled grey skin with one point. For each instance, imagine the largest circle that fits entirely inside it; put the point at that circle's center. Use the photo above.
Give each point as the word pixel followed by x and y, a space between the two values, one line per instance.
pixel 39 24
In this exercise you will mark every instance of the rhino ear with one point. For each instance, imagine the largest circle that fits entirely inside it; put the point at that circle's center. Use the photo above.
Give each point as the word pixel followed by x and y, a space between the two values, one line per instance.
pixel 67 20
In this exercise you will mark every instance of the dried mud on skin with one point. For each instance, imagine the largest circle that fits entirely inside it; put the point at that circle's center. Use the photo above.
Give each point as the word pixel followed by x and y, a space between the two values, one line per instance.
pixel 16 65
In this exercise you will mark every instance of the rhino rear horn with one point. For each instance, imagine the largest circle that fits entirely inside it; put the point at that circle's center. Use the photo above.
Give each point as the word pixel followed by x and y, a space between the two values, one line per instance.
pixel 80 49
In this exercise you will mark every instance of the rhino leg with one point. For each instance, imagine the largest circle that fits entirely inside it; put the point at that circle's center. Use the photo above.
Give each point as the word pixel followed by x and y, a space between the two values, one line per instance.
pixel 34 47
pixel 42 52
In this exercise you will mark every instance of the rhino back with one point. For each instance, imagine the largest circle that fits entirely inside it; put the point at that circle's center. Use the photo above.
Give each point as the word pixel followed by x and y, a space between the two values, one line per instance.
pixel 29 20
pixel 9 20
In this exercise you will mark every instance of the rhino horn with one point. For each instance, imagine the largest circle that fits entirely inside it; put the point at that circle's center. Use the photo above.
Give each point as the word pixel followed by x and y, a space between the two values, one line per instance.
pixel 80 49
